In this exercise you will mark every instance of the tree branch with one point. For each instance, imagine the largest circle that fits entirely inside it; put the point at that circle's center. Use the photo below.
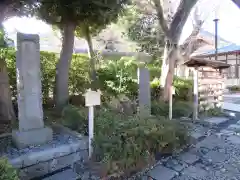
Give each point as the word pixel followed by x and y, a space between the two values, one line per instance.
pixel 180 18
pixel 237 3
pixel 161 19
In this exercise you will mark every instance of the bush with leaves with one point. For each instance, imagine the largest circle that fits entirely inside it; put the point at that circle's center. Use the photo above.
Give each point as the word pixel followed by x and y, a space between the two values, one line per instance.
pixel 179 109
pixel 75 118
pixel 116 76
pixel 217 112
pixel 183 89
pixel 120 141
pixel 234 88
pixel 7 172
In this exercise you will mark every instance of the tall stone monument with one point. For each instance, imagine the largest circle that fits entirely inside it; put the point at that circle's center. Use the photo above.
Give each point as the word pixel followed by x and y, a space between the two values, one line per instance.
pixel 31 126
pixel 144 92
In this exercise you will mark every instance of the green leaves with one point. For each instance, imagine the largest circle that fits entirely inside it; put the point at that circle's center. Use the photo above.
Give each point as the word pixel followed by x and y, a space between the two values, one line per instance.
pixel 93 13
pixel 143 29
pixel 7 172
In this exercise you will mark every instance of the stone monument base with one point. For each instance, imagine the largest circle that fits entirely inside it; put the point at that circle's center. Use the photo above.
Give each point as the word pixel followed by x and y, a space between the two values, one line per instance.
pixel 23 139
pixel 66 148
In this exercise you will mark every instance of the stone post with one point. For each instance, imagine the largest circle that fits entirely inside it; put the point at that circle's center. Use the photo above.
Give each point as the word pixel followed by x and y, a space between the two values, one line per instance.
pixel 195 94
pixel 31 126
pixel 144 92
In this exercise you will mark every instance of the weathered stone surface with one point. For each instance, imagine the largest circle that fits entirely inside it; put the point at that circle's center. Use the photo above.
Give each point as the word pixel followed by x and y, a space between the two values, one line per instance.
pixel 33 158
pixel 238 122
pixel 210 142
pixel 195 172
pixel 196 135
pixel 144 94
pixel 176 165
pixel 215 121
pixel 39 136
pixel 234 139
pixel 30 113
pixel 160 172
pixel 61 162
pixel 29 82
pixel 216 157
pixel 68 174
pixel 183 177
pixel 188 158
pixel 37 170
pixel 234 127
pixel 225 132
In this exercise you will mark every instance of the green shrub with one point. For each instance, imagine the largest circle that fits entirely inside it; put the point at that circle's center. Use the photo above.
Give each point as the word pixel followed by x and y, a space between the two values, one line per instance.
pixel 183 89
pixel 233 88
pixel 7 172
pixel 75 118
pixel 122 142
pixel 179 109
pixel 115 75
pixel 213 112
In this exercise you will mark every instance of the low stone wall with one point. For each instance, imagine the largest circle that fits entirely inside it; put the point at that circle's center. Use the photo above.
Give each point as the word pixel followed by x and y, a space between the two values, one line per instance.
pixel 41 160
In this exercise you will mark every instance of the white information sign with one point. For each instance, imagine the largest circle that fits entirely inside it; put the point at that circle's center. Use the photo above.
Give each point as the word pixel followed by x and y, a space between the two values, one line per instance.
pixel 92 98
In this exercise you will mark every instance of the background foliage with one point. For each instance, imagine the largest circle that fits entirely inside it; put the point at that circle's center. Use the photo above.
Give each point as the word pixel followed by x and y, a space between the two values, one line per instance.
pixel 116 76
pixel 120 139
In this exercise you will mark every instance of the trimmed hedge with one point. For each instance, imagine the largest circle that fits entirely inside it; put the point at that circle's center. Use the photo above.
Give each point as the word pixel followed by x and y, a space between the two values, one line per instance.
pixel 115 77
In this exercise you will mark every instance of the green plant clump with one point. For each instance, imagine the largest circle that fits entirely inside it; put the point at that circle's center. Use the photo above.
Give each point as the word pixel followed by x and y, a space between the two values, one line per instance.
pixel 234 88
pixel 116 75
pixel 179 109
pixel 126 143
pixel 7 172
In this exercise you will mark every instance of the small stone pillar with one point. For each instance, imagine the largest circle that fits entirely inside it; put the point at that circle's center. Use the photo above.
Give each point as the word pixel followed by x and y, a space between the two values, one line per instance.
pixel 31 126
pixel 195 94
pixel 144 92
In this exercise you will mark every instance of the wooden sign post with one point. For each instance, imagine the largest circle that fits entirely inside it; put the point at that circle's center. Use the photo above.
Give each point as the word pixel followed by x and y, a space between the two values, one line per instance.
pixel 92 98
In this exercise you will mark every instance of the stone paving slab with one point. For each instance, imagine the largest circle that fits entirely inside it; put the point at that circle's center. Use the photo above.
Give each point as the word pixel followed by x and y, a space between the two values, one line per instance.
pixel 234 139
pixel 160 172
pixel 188 158
pixel 210 142
pixel 195 172
pixel 215 121
pixel 216 157
pixel 234 127
pixel 176 165
pixel 231 106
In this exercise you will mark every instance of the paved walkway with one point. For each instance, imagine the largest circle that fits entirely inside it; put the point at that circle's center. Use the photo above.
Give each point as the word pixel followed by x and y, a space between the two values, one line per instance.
pixel 215 156
pixel 232 102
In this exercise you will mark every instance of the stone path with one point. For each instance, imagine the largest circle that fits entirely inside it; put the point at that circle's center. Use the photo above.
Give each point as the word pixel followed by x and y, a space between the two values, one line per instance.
pixel 215 156
pixel 232 102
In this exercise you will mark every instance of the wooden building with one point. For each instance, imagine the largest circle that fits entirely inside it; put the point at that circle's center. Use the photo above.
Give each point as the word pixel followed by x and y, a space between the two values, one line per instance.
pixel 231 55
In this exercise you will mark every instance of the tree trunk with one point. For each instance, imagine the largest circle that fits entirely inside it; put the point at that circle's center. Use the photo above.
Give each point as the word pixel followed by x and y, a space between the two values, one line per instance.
pixel 91 55
pixel 172 32
pixel 164 64
pixel 7 113
pixel 6 106
pixel 63 65
pixel 168 71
